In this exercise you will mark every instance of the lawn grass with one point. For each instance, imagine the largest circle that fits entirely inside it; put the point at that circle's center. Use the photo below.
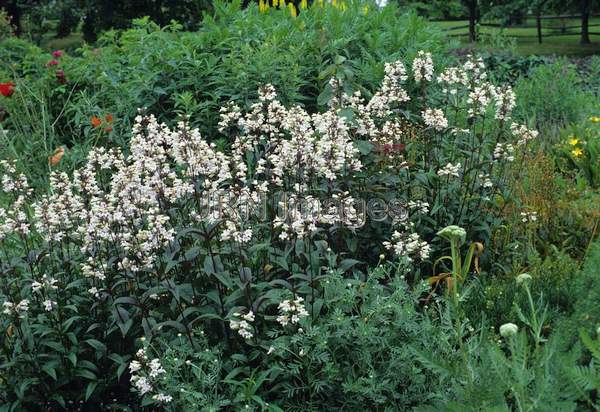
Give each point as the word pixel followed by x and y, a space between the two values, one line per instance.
pixel 567 45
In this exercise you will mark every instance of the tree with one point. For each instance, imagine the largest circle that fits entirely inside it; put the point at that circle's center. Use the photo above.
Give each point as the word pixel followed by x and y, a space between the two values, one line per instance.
pixel 586 6
pixel 472 6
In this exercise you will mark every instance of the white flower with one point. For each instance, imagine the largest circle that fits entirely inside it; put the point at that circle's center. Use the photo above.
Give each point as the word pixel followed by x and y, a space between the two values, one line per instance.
pixel 48 305
pixel 529 217
pixel 291 311
pixel 450 170
pixel 435 119
pixel 504 151
pixel 522 133
pixel 162 398
pixel 134 366
pixel 422 66
pixel 19 309
pixel 142 384
pixel 155 368
pixel 505 101
pixel 408 245
pixel 242 324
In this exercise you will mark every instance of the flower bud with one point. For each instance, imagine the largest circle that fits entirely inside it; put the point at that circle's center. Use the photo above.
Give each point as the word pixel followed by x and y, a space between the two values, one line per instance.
pixel 508 329
pixel 523 277
pixel 453 232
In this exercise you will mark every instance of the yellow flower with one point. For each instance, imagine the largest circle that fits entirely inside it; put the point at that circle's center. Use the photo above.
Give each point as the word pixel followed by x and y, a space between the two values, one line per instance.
pixel 293 11
pixel 303 4
pixel 573 141
pixel 595 119
pixel 366 9
pixel 577 152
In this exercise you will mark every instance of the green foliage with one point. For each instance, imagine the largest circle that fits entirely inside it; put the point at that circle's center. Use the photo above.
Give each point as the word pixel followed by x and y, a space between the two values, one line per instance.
pixel 233 53
pixel 552 96
pixel 586 292
pixel 579 150
pixel 509 376
pixel 117 280
pixel 6 28
pixel 127 244
pixel 356 353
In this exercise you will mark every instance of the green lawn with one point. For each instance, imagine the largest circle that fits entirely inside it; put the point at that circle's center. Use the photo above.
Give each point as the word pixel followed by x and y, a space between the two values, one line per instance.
pixel 559 45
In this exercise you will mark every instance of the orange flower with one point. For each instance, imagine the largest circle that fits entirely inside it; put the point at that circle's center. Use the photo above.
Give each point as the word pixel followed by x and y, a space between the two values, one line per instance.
pixel 109 118
pixel 96 121
pixel 55 158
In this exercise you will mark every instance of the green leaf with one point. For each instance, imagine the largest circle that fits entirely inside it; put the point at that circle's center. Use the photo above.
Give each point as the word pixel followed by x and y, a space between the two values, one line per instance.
pixel 96 344
pixel 89 389
pixel 50 371
pixel 73 358
pixel 364 147
pixel 86 373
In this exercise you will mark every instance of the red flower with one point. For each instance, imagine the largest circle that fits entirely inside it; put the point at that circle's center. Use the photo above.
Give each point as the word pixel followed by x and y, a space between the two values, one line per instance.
pixel 52 62
pixel 109 118
pixel 60 76
pixel 57 54
pixel 96 121
pixel 7 89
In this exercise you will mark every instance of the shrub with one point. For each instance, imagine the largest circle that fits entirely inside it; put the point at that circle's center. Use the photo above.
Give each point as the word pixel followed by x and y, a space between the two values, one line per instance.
pixel 357 353
pixel 585 293
pixel 552 96
pixel 164 238
pixel 233 53
pixel 580 150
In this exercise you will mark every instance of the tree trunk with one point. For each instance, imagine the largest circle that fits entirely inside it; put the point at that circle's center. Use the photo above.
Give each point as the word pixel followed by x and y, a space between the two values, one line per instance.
pixel 538 23
pixel 585 21
pixel 472 4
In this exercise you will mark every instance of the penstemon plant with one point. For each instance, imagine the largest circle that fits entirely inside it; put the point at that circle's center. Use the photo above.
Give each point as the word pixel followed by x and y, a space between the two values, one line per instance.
pixel 174 234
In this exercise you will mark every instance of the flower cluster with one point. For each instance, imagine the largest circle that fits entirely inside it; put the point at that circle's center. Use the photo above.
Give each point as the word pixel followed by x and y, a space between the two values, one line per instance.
pixel 144 375
pixel 45 282
pixel 407 244
pixel 423 66
pixel 504 151
pixel 19 309
pixel 435 119
pixel 522 133
pixel 529 217
pixel 450 170
pixel 243 324
pixel 291 311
